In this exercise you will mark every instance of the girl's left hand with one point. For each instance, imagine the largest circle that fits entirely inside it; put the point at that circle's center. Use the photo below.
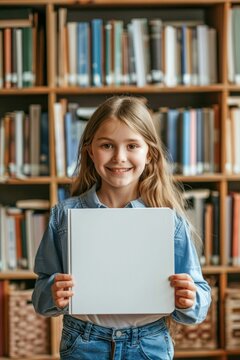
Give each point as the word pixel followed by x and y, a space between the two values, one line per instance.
pixel 185 290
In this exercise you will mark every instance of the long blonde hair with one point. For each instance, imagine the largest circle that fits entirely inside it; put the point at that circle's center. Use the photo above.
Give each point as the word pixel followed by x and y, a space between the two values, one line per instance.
pixel 156 185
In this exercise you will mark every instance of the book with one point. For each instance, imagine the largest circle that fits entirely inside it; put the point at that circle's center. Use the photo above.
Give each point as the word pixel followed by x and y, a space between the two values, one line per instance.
pixel 155 26
pixel 83 237
pixel 34 204
pixel 72 52
pixel 215 259
pixel 170 41
pixel 97 52
pixel 27 41
pixel 83 54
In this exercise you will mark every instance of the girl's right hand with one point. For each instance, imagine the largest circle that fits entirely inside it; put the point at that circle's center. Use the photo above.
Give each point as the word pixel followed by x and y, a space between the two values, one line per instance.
pixel 61 289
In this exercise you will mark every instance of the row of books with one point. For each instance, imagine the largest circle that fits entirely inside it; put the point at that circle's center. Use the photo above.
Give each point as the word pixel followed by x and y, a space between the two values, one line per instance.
pixel 21 50
pixel 233 50
pixel 191 137
pixel 69 123
pixel 144 51
pixel 24 143
pixel 21 231
pixel 232 164
pixel 203 212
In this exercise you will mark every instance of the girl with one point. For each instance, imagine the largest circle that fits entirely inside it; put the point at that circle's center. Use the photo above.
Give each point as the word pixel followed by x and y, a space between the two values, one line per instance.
pixel 120 164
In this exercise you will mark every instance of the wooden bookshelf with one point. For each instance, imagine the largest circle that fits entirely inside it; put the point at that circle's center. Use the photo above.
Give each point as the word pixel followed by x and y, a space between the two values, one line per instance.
pixel 216 15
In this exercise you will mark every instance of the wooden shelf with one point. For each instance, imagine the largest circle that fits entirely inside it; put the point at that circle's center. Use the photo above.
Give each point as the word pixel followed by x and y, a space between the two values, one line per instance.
pixel 150 89
pixel 28 180
pixel 26 91
pixel 137 2
pixel 199 353
pixel 17 275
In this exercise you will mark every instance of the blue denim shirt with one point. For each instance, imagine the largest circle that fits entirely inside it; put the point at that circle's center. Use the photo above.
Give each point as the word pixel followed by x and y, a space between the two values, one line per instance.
pixel 51 258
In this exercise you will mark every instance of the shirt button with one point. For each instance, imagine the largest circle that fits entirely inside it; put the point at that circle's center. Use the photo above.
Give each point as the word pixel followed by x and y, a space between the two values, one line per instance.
pixel 118 333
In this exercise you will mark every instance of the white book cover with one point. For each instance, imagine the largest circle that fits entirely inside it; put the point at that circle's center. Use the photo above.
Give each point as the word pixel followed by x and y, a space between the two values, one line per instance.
pixel 59 140
pixel 72 52
pixel 170 41
pixel 236 139
pixel 203 54
pixel 138 46
pixel 228 163
pixel 121 260
pixel 19 146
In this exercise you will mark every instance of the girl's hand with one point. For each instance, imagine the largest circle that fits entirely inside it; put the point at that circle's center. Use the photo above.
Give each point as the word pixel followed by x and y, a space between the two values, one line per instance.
pixel 185 290
pixel 61 291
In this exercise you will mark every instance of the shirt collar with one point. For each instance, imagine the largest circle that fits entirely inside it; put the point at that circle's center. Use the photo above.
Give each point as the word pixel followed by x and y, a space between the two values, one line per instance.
pixel 91 200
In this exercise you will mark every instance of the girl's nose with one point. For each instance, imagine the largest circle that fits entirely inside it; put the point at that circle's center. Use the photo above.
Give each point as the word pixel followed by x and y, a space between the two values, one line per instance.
pixel 119 155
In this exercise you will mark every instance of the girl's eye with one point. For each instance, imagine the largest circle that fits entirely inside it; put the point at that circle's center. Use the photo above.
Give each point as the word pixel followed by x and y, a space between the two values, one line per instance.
pixel 107 146
pixel 132 146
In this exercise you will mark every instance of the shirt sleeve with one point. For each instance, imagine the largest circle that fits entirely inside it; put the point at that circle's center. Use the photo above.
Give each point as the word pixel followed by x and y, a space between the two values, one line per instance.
pixel 47 265
pixel 186 261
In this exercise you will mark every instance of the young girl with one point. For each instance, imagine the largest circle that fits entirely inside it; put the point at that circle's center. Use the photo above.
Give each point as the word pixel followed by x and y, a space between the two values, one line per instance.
pixel 120 164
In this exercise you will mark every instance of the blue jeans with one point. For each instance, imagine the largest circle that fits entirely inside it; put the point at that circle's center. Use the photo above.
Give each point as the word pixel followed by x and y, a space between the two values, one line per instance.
pixel 86 341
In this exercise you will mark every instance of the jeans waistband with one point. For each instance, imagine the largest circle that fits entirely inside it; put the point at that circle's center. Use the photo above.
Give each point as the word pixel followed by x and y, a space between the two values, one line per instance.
pixel 132 334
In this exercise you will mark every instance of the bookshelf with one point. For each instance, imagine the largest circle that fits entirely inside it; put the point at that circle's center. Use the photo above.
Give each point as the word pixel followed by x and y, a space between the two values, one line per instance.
pixel 215 13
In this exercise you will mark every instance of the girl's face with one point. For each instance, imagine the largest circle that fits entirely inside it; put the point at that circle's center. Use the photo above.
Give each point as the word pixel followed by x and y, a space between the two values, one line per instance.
pixel 119 155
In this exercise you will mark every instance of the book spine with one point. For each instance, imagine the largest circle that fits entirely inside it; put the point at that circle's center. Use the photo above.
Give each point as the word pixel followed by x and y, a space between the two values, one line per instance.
pixel 83 46
pixel 27 57
pixel 7 58
pixel 97 46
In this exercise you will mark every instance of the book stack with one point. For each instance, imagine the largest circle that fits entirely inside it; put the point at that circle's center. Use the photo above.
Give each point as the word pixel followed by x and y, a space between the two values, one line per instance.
pixel 24 143
pixel 21 232
pixel 21 49
pixel 191 137
pixel 98 53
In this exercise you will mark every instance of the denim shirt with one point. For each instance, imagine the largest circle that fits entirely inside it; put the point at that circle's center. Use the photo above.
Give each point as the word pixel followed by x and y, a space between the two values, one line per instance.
pixel 51 259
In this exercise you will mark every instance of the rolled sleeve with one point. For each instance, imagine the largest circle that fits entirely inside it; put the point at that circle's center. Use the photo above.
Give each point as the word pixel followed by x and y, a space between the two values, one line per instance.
pixel 186 261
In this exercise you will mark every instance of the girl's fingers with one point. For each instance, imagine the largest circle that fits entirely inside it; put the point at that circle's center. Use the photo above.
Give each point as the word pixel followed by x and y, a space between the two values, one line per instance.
pixel 63 294
pixel 186 294
pixel 184 303
pixel 64 284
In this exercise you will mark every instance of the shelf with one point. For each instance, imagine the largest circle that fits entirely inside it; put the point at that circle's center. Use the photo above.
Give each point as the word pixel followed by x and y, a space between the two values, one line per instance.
pixel 25 91
pixel 199 353
pixel 19 275
pixel 150 89
pixel 220 269
pixel 66 180
pixel 200 178
pixel 136 2
pixel 27 180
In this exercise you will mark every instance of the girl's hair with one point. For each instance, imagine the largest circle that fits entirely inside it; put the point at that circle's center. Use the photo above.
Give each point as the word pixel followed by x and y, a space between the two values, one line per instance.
pixel 156 185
